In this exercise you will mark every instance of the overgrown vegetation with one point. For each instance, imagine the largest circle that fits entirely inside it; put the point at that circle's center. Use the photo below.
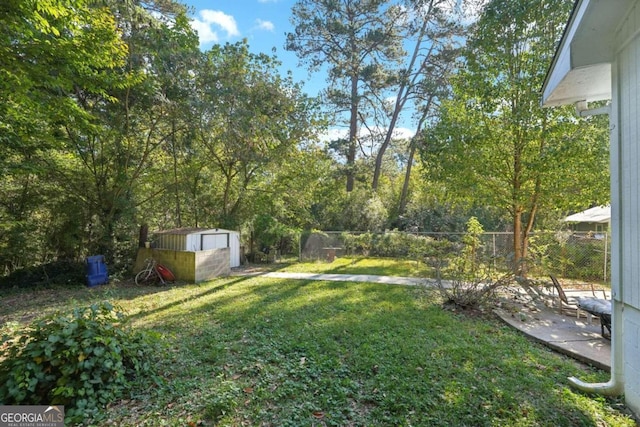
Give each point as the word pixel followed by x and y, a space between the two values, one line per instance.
pixel 585 256
pixel 115 121
pixel 50 274
pixel 467 280
pixel 263 351
pixel 83 359
pixel 576 255
pixel 395 244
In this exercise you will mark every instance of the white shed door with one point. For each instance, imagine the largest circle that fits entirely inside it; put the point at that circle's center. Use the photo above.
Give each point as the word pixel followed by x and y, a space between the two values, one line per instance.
pixel 214 241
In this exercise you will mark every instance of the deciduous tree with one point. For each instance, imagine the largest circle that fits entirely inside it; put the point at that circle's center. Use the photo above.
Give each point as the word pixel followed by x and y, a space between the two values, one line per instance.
pixel 434 30
pixel 123 157
pixel 495 145
pixel 251 120
pixel 51 51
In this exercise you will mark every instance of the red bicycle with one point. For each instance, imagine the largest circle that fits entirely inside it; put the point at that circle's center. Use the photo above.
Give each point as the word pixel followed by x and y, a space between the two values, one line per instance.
pixel 154 273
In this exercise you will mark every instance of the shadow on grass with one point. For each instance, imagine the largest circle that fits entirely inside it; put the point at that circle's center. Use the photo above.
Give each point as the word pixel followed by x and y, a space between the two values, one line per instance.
pixel 248 349
pixel 25 305
pixel 217 286
pixel 368 354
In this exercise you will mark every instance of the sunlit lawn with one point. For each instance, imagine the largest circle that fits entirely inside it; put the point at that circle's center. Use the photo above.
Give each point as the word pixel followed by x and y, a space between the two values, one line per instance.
pixel 256 351
pixel 377 266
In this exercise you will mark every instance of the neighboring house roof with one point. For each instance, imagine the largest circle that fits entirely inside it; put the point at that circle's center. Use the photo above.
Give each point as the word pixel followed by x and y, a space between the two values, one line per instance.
pixel 598 214
pixel 581 68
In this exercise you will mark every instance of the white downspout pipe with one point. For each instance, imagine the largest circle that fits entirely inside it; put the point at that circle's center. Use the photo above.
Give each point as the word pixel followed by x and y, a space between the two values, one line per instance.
pixel 615 385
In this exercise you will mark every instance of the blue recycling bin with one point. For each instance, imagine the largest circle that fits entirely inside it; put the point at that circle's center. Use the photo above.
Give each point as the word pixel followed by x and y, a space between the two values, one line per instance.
pixel 96 271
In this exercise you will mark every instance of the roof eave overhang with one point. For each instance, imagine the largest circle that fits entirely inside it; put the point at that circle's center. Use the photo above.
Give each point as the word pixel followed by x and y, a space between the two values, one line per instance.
pixel 581 67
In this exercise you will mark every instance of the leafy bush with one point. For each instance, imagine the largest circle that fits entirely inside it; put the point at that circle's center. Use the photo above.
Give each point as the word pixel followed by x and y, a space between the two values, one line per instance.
pixel 83 360
pixel 270 233
pixel 469 282
pixel 569 255
pixel 363 210
pixel 53 273
pixel 393 244
pixel 471 291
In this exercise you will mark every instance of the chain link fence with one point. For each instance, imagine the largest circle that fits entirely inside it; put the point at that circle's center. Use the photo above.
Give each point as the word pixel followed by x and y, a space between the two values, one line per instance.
pixel 572 255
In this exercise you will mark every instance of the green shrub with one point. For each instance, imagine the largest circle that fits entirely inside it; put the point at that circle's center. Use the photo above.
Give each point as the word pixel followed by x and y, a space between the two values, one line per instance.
pixel 392 244
pixel 569 255
pixel 61 272
pixel 83 360
pixel 465 281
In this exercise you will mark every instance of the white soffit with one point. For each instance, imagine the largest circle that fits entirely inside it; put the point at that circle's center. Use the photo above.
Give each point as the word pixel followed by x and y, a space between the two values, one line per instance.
pixel 581 68
pixel 591 83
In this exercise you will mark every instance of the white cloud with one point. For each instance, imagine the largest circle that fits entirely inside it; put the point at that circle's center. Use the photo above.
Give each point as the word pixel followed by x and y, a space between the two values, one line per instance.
pixel 333 134
pixel 264 25
pixel 205 33
pixel 403 133
pixel 210 21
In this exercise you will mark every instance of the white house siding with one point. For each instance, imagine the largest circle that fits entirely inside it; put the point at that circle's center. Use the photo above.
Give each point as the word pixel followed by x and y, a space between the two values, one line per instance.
pixel 625 197
pixel 629 155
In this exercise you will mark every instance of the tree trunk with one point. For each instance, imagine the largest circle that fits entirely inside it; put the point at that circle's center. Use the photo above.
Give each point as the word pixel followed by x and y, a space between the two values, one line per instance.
pixel 176 184
pixel 401 99
pixel 353 135
pixel 387 140
pixel 143 235
pixel 517 241
pixel 407 178
pixel 412 151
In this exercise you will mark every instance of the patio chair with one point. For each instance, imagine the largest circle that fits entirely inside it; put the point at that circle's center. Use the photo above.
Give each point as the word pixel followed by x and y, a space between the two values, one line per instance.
pixel 566 303
pixel 601 308
pixel 592 306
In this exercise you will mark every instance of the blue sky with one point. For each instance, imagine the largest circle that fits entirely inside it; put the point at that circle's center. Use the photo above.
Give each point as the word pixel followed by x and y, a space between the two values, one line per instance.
pixel 263 23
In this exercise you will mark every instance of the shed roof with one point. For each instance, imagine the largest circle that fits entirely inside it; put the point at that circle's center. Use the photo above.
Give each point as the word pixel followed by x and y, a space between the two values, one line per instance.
pixel 598 214
pixel 194 230
pixel 581 67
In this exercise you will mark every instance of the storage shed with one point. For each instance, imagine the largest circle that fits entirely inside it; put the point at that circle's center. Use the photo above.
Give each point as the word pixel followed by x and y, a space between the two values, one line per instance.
pixel 194 254
pixel 200 239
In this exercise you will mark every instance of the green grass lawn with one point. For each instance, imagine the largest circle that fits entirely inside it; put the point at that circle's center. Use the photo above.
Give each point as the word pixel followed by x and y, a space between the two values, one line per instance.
pixel 249 351
pixel 377 266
